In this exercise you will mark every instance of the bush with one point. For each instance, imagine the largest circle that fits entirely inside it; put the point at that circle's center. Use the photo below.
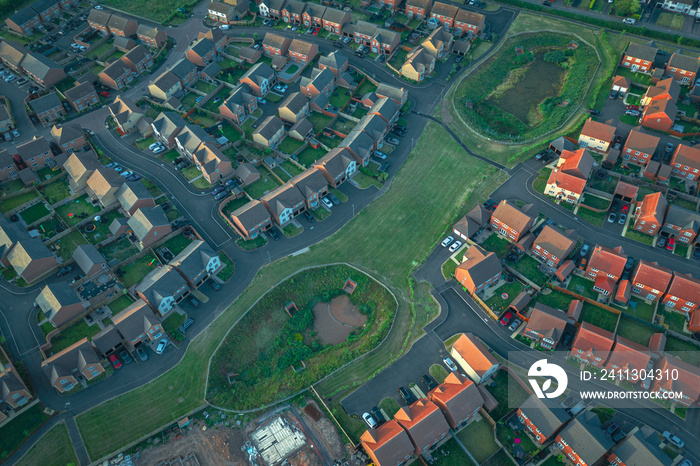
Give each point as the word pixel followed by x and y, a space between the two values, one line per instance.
pixel 556 56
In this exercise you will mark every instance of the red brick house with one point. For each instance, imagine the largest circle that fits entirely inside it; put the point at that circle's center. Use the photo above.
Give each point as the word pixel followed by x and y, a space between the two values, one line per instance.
pixel 663 90
pixel 36 152
pixel 592 345
pixel 458 398
pixel 445 13
pixel 292 11
pixel 302 52
pixel 24 21
pixel 479 269
pixel 628 357
pixel 605 267
pixel 334 20
pixel 511 222
pixel 385 41
pixel 259 79
pixel 334 61
pixel 275 45
pixel 79 359
pixel 362 31
pixel 660 115
pixel 69 137
pixel 251 219
pixel 650 214
pixel 82 96
pixel 546 325
pixel 31 259
pixel 683 68
pixel 597 136
pixel 424 423
pixel 418 9
pixel 60 304
pixel 686 162
pixel 47 108
pixel 650 280
pixel 553 246
pixel 98 19
pixel 47 9
pixel 639 57
pixel 123 27
pixel 312 185
pixel 139 59
pixel 151 37
pixel 117 75
pixel 468 21
pixel 149 225
pixel 239 104
pixel 388 444
pixel 202 52
pixel 584 445
pixel 640 148
pixel 688 381
pixel 683 294
pixel 321 82
pixel 541 421
pixel 313 15
pixel 682 223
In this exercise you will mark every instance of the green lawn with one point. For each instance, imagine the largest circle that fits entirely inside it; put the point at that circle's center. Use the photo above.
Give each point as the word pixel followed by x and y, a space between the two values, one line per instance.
pixel 152 188
pixel 594 218
pixel 14 434
pixel 366 87
pixel 340 97
pixel 598 317
pixel 101 231
pixel 438 372
pixel 66 245
pixel 309 155
pixel 235 204
pixel 507 436
pixel 144 143
pixel 497 303
pixel 291 231
pixel 10 187
pixel 508 393
pixel 264 184
pixel 34 213
pixel 555 299
pixel 120 250
pixel 101 49
pixel 205 87
pixel 213 106
pixel 582 286
pixel 389 406
pixel 635 331
pixel 291 168
pixel 133 273
pixel 431 194
pixel 76 211
pixel 365 181
pixel 227 272
pixel 202 183
pixel 231 132
pixel 176 244
pixel 670 20
pixel 479 439
pixel 449 453
pixel 119 304
pixel 681 250
pixel 637 236
pixel 639 308
pixel 155 10
pixel 496 243
pixel 251 244
pixel 56 191
pixel 640 78
pixel 319 121
pixel 72 334
pixel 528 267
pixel 674 320
pixel 595 201
pixel 448 269
pixel 190 100
pixel 290 145
pixel 53 449
pixel 281 174
pixel 173 322
pixel 12 203
pixel 687 351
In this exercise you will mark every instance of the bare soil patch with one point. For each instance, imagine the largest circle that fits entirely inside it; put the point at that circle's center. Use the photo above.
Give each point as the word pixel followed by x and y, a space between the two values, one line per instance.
pixel 335 320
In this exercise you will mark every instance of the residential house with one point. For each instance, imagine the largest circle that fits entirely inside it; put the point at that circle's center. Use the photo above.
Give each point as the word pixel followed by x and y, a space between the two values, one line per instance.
pixel 12 54
pixel 294 108
pixel 385 41
pixel 683 293
pixel 683 224
pixel 134 195
pixel 249 54
pixel 166 127
pixel 683 68
pixel 553 246
pixel 42 70
pixel 65 367
pixel 313 15
pixel 139 59
pixel 247 173
pixel 546 326
pixel 418 65
pixel 292 11
pixel 125 113
pixel 677 376
pixel 445 13
pixel 251 219
pixel 82 96
pixel 196 263
pixel 8 169
pixel 301 130
pixel 302 52
pixel 542 422
pixel 138 325
pixel 479 269
pixel 686 162
pixel 472 222
pixel 605 267
pixel 621 84
pixel 397 94
pixel 597 136
pixel 120 26
pixel 31 259
pixel 513 222
pixel 13 392
pixel 213 164
pixel 6 121
pixel 361 31
pixel 568 179
pixel 650 214
pixel 424 423
pixel 36 153
pixel 202 52
pixel 124 44
pixel 89 259
pixel 48 108
pixel 337 166
pixel 334 20
pixel 24 21
pixel 388 444
pixel 47 9
pixel 80 167
pixel 222 12
pixel 628 358
pixel 276 45
pixel 679 6
pixel 186 71
pixel 660 115
pixel 639 57
pixel 418 9
pixel 635 449
pixel 468 22
pixel 458 398
pixel 162 289
pixel 473 357
pixel 271 8
pixel 592 345
pixel 666 89
pixel 374 126
pixel 650 280
pixel 117 75
pixel 59 303
pixel 149 225
pixel 360 144
pixel 284 203
pixel 584 444
pixel 439 43
pixel 151 36
pixel 239 104
pixel 320 82
pixel 103 185
pixel 335 62
pixel 270 132
pixel 640 147
pixel 165 86
pixel 259 79
pixel 98 20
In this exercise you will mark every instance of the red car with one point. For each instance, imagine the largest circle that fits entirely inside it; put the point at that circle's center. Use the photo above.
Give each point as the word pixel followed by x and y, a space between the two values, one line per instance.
pixel 625 208
pixel 506 318
pixel 104 94
pixel 316 31
pixel 633 107
pixel 115 361
pixel 671 242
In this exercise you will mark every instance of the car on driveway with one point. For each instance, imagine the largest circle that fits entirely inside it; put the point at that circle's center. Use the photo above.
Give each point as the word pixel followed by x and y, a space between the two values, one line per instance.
pixel 64 271
pixel 661 242
pixel 446 242
pixel 141 354
pixel 673 439
pixel 613 95
pixel 513 325
pixel 221 195
pixel 333 199
pixel 104 93
pixel 669 147
pixel 634 113
pixel 612 217
pixel 456 245
pixel 407 396
pixel 124 354
pixel 217 190
pixel 327 203
pixel 623 217
pixel 594 112
pixel 625 208
pixel 506 318
pixel 450 364
pixel 428 381
pixel 393 141
pixel 115 361
pixel 369 420
pixel 377 414
pixel 161 346
pixel 309 216
pixel 273 234
pixel 671 242
pixel 127 173
pixel 379 155
pixel 154 145
pixel 214 285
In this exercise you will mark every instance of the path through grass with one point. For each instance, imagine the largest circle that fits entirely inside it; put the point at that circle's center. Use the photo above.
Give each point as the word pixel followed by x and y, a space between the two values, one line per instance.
pixel 53 449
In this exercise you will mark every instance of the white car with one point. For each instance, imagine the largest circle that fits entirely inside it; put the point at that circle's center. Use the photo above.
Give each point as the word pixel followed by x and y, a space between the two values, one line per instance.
pixel 74 45
pixel 127 173
pixel 159 149
pixel 15 134
pixel 161 346
pixel 327 202
pixel 446 242
pixel 224 27
pixel 673 439
pixel 10 78
pixel 451 365
pixel 456 245
pixel 629 21
pixel 369 420
pixel 99 7
pixel 261 100
pixel 154 145
pixel 118 169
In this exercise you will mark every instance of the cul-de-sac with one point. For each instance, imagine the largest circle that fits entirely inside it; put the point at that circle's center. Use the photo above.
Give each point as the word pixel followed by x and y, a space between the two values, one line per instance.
pixel 350 232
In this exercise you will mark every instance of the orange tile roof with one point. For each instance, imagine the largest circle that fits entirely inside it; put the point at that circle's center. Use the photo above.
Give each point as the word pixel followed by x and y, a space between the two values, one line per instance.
pixel 424 422
pixel 685 287
pixel 626 190
pixel 694 324
pixel 509 214
pixel 565 270
pixel 608 260
pixel 642 142
pixel 578 163
pixel 686 155
pixel 388 444
pixel 568 182
pixel 688 380
pixel 556 242
pixel 622 295
pixel 603 282
pixel 628 355
pixel 474 352
pixel 621 81
pixel 652 275
pixel 459 395
pixel 592 339
pixel 597 130
pixel 653 208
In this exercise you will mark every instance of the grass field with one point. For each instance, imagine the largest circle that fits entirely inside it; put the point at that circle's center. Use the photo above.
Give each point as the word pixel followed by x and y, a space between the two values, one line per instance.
pixel 582 286
pixel 527 266
pixel 120 304
pixel 670 20
pixel 155 10
pixel 309 155
pixel 641 237
pixel 34 213
pixel 497 302
pixel 72 334
pixel 133 273
pixel 120 250
pixel 8 204
pixel 434 201
pixel 264 184
pixel 479 439
pixel 290 145
pixel 226 273
pixel 688 352
pixel 438 372
pixel 53 449
pixel 448 454
pixel 67 244
pixel 594 218
pixel 498 244
pixel 13 434
pixel 176 244
pixel 555 299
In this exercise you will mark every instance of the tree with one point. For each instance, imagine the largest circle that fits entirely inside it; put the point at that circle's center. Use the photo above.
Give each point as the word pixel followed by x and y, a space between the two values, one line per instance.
pixel 626 7
pixel 382 176
pixel 255 36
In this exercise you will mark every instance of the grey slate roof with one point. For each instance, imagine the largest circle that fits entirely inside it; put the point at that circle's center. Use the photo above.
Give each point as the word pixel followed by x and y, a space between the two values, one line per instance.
pixel 168 123
pixel 310 182
pixel 358 142
pixel 643 52
pixel 548 419
pixel 386 107
pixel 182 68
pixel 335 60
pixel 118 22
pixel 373 125
pixel 258 72
pixel 46 102
pixel 251 214
pixel 166 80
pixel 55 296
pixel 636 451
pixel 587 440
pixel 362 27
pixel 684 218
pixel 192 136
pixel 23 15
pixel 202 46
pixel 194 258
pixel 79 91
pixel 67 361
pixel 269 127
pixel 161 283
pixel 683 62
pixel 294 102
pixel 334 15
pixel 87 256
pixel 320 79
pixel 135 320
pixel 13 52
pixel 294 7
pixel 283 197
pixel 144 220
pixel 99 17
pixel 131 192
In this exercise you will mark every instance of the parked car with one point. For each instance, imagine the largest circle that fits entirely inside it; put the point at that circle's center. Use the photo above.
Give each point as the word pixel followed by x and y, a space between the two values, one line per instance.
pixel 334 199
pixel 22 81
pixel 623 217
pixel 221 195
pixel 64 271
pixel 506 318
pixel 612 428
pixel 567 339
pixel 309 216
pixel 594 112
pixel 393 141
pixel 273 234
pixel 141 353
pixel 629 20
pixel 181 165
pixel 584 250
pixel 513 325
pixel 369 420
pixel 161 346
pixel 261 100
pixel 327 203
pixel 124 354
pixel 379 155
pixel 661 242
pixel 446 242
pixel 547 3
pixel 118 169
pixel 456 245
pixel 186 324
pixel 193 301
pixel 154 145
pixel 231 182
pixel 696 253
pixel 673 439
pixel 111 165
pixel 407 396
pixel 214 284
pixel 613 95
pixel 625 208
pixel 612 217
pixel 217 190
pixel 450 364
pixel 224 27
pixel 10 78
pixel 127 173
pixel 669 147
pixel 377 414
pixel 115 361
pixel 134 177
pixel 633 107
pixel 104 93
pixel 670 243
pixel 428 382
pixel 634 113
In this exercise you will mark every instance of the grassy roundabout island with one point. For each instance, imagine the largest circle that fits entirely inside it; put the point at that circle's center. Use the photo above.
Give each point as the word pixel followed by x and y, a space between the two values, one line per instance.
pixel 272 353
pixel 532 85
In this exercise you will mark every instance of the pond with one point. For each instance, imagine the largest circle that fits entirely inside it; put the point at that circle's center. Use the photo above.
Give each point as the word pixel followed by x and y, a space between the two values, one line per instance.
pixel 525 88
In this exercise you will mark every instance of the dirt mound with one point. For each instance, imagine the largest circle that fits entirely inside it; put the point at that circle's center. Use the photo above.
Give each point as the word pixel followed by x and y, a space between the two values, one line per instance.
pixel 336 320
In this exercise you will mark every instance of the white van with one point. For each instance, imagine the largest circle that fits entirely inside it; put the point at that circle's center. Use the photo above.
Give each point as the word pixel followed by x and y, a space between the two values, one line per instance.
pixel 224 27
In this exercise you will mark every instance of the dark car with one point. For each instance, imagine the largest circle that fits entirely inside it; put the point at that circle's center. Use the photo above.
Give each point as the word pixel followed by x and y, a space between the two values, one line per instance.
pixel 125 357
pixel 273 234
pixel 407 396
pixel 613 95
pixel 333 199
pixel 142 354
pixel 64 271
pixel 182 165
pixel 567 339
pixel 594 112
pixel 221 195
pixel 696 253
pixel 662 242
pixel 384 167
pixel 428 382
pixel 193 301
pixel 377 415
pixel 217 190
pixel 215 285
pixel 547 3
pixel 185 325
pixel 309 216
